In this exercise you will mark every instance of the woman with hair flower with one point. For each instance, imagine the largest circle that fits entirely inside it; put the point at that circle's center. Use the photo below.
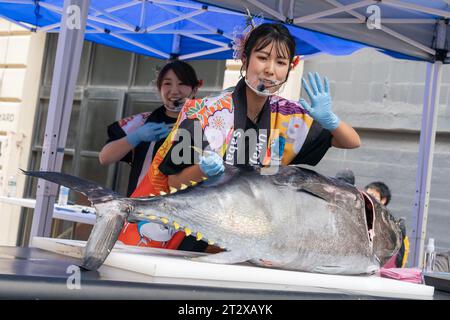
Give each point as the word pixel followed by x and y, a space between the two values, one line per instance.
pixel 251 125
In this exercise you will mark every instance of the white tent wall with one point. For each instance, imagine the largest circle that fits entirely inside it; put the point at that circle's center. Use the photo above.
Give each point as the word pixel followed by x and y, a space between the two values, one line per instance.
pixel 383 98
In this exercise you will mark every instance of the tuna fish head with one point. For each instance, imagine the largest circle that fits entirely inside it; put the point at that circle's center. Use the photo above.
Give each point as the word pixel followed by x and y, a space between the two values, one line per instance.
pixel 388 236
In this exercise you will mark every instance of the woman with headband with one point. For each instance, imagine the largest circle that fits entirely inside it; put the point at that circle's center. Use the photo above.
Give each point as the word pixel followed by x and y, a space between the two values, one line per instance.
pixel 293 132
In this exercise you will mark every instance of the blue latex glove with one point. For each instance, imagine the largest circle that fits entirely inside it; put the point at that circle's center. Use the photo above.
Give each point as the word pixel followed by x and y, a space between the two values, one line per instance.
pixel 320 109
pixel 211 164
pixel 150 131
pixel 277 148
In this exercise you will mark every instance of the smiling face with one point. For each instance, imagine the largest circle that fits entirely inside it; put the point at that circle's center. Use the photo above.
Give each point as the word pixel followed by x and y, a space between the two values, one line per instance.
pixel 173 89
pixel 268 67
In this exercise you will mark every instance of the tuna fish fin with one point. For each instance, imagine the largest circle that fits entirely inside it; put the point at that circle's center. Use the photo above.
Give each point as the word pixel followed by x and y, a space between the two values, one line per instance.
pixel 334 194
pixel 229 173
pixel 318 195
pixel 95 192
pixel 226 257
pixel 331 190
pixel 216 180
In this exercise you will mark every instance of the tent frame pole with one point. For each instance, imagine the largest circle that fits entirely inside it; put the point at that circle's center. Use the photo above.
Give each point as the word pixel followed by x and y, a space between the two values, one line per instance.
pixel 201 24
pixel 130 41
pixel 118 7
pixel 343 8
pixel 415 7
pixel 114 23
pixel 16 22
pixel 67 62
pixel 176 19
pixel 102 12
pixel 267 9
pixel 196 6
pixel 425 160
pixel 426 148
pixel 206 40
pixel 359 21
pixel 166 31
pixel 114 34
pixel 203 53
pixel 19 2
pixel 132 30
pixel 387 30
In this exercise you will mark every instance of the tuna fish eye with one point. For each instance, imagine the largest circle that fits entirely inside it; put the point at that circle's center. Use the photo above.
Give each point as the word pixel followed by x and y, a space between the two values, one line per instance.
pixel 129 209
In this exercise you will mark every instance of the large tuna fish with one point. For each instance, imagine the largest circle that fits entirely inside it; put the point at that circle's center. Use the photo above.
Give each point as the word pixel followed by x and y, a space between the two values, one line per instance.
pixel 296 219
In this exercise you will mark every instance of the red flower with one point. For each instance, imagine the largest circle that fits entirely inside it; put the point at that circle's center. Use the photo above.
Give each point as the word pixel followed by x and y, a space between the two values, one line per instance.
pixel 295 61
pixel 200 83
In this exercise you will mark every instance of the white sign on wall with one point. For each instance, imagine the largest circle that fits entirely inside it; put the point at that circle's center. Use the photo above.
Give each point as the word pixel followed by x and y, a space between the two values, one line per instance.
pixel 8 116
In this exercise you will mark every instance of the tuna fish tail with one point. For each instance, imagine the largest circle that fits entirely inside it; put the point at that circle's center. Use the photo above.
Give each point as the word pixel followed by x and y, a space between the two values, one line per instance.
pixel 112 211
pixel 111 217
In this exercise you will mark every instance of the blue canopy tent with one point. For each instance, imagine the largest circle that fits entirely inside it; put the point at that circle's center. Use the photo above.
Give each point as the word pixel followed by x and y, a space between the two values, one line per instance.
pixel 183 29
pixel 161 29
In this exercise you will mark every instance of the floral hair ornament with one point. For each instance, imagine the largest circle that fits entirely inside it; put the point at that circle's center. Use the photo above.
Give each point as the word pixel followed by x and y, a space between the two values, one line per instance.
pixel 241 34
pixel 296 61
pixel 199 83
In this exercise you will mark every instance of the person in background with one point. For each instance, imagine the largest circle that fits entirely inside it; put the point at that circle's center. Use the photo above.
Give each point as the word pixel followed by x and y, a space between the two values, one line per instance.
pixel 380 191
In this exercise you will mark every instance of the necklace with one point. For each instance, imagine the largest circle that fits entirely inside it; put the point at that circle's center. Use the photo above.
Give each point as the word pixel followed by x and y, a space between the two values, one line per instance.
pixel 255 118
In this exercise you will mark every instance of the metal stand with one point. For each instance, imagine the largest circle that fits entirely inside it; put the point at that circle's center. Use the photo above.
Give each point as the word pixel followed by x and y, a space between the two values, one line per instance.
pixel 68 55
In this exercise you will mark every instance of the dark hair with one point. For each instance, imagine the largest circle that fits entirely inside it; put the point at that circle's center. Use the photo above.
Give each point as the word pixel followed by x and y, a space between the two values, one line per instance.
pixel 183 71
pixel 265 34
pixel 382 188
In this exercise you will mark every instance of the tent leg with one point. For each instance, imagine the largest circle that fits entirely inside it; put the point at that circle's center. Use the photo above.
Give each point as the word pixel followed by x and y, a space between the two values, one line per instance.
pixel 67 62
pixel 425 161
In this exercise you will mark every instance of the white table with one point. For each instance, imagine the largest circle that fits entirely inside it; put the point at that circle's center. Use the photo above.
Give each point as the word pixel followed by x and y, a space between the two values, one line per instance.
pixel 73 213
pixel 172 265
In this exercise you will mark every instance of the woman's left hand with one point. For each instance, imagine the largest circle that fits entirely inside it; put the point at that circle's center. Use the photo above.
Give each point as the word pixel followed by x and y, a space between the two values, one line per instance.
pixel 211 164
pixel 319 95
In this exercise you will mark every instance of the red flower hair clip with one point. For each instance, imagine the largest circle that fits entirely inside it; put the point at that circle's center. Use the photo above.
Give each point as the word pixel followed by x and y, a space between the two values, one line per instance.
pixel 199 83
pixel 295 61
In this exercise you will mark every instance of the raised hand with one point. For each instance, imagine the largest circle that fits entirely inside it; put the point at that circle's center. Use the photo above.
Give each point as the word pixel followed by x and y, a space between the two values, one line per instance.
pixel 320 108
